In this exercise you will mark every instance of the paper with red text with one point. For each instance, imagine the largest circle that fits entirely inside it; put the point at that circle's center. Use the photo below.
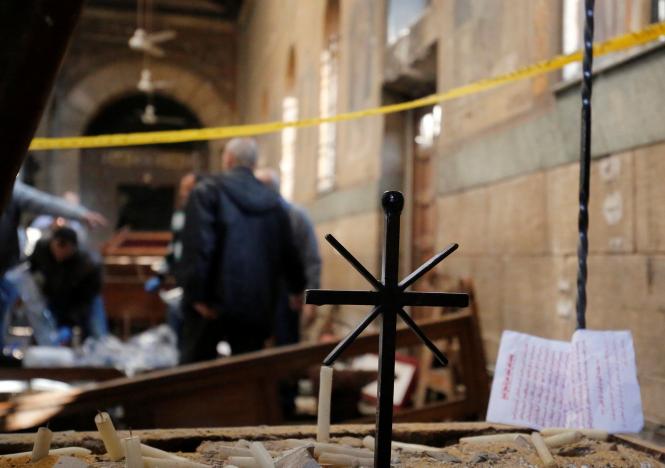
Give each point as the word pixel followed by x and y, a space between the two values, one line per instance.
pixel 590 382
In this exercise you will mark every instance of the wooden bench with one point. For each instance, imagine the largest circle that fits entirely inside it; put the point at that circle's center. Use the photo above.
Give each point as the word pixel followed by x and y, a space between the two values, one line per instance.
pixel 240 390
pixel 128 257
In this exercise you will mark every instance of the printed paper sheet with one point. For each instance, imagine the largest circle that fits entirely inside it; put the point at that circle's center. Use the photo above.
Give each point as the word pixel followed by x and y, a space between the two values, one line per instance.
pixel 590 382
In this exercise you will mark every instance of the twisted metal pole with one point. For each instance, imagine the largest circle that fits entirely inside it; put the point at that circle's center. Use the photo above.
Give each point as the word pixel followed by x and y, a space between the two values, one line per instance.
pixel 585 164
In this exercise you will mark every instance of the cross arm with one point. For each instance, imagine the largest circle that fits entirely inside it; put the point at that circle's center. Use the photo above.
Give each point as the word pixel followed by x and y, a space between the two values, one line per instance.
pixel 426 341
pixel 427 266
pixel 434 299
pixel 354 262
pixel 326 296
pixel 346 342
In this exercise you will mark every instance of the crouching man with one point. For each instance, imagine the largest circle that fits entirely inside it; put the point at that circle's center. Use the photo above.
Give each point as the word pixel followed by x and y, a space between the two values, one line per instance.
pixel 71 282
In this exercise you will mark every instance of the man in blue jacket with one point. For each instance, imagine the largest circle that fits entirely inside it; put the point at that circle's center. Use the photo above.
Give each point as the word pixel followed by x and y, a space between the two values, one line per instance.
pixel 238 250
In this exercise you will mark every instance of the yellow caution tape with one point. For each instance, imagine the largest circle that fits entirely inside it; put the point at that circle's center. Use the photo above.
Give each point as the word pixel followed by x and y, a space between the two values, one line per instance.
pixel 626 41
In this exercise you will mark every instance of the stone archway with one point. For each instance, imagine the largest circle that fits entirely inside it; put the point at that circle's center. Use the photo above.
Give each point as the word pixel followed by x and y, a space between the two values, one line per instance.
pixel 77 106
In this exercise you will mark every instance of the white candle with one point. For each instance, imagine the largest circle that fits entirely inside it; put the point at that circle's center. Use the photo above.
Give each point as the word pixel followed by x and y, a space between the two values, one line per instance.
pixel 320 448
pixel 368 442
pixel 325 393
pixel 230 451
pixel 42 444
pixel 261 455
pixel 152 452
pixel 151 462
pixel 564 438
pixel 109 436
pixel 64 451
pixel 487 439
pixel 542 450
pixel 132 447
pixel 294 443
pixel 243 462
pixel 588 433
pixel 344 460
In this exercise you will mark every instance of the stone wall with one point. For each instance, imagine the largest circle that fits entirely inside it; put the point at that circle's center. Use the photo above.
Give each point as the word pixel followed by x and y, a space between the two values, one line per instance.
pixel 507 171
pixel 508 184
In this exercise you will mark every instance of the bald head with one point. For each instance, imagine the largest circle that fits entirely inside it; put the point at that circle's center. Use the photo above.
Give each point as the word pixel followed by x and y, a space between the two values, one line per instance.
pixel 240 152
pixel 269 177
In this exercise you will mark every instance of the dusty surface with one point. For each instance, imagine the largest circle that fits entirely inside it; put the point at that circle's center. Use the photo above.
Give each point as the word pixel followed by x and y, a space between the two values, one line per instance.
pixel 204 447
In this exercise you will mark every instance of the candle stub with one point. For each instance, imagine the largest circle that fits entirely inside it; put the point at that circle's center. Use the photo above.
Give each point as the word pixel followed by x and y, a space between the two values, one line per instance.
pixel 588 433
pixel 340 459
pixel 543 451
pixel 325 393
pixel 488 439
pixel 109 436
pixel 151 462
pixel 563 438
pixel 152 452
pixel 64 451
pixel 261 455
pixel 42 444
pixel 243 462
pixel 133 457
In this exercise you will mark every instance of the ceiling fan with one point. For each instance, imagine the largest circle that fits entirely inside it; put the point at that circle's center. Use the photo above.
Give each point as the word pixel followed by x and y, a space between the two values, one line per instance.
pixel 149 116
pixel 147 85
pixel 143 39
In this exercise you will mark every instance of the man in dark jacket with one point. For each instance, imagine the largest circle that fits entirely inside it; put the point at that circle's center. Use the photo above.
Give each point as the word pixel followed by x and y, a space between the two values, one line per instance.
pixel 289 316
pixel 237 250
pixel 70 280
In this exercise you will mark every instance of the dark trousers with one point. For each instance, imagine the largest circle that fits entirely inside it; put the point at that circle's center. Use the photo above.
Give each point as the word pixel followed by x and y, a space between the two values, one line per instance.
pixel 287 323
pixel 200 337
pixel 287 331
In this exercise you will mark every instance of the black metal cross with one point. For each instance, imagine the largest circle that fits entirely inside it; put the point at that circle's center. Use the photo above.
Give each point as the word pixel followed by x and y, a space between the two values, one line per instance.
pixel 388 298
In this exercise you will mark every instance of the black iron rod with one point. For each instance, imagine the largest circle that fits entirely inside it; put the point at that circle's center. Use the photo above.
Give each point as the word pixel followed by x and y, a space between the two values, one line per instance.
pixel 328 296
pixel 432 299
pixel 585 164
pixel 354 262
pixel 427 266
pixel 351 337
pixel 426 341
pixel 392 202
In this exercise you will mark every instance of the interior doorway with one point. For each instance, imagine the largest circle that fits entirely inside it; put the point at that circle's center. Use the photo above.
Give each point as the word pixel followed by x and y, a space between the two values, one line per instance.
pixel 426 124
pixel 409 161
pixel 126 183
